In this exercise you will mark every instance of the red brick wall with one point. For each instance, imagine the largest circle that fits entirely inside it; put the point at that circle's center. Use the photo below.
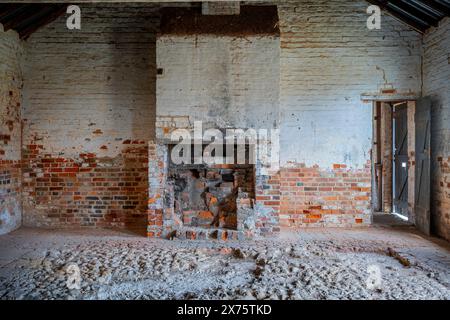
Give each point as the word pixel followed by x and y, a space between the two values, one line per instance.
pixel 86 191
pixel 156 174
pixel 436 84
pixel 89 112
pixel 312 196
pixel 328 59
pixel 267 207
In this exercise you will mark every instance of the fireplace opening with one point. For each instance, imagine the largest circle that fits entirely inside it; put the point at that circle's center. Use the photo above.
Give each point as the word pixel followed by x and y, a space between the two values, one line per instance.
pixel 217 198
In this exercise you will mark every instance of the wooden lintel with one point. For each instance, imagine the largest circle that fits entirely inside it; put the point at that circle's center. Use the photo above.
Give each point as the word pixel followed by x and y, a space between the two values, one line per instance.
pixel 396 97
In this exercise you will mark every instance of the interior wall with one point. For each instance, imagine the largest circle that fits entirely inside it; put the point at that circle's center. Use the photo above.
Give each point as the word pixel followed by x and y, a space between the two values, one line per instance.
pixel 223 81
pixel 436 71
pixel 89 110
pixel 11 53
pixel 328 59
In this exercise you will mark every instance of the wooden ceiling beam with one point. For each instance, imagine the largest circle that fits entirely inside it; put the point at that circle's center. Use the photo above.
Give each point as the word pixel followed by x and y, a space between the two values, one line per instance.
pixel 437 6
pixel 410 22
pixel 9 10
pixel 12 20
pixel 414 12
pixel 39 12
pixel 57 12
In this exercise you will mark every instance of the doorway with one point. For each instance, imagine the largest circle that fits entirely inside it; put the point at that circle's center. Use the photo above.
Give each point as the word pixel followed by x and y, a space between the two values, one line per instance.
pixel 401 160
pixel 393 158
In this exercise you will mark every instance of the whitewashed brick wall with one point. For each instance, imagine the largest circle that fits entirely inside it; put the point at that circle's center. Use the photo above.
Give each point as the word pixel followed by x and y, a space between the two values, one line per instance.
pixel 226 82
pixel 436 71
pixel 92 87
pixel 11 55
pixel 328 58
pixel 89 101
pixel 96 87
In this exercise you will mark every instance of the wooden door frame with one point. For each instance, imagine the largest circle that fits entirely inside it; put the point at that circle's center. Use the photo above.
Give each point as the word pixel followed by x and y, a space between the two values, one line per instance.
pixel 378 176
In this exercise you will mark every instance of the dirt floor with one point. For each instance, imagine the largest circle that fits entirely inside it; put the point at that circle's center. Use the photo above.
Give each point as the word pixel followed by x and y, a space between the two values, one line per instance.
pixel 309 264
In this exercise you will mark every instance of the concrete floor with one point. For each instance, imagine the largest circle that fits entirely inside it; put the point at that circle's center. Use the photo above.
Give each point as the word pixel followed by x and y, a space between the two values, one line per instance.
pixel 308 264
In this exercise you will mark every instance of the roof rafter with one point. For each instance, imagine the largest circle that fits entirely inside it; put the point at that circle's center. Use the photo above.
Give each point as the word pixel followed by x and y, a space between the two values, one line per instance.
pixel 418 14
pixel 27 18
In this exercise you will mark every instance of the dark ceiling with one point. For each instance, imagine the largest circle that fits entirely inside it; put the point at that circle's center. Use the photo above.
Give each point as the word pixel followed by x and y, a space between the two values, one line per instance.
pixel 419 14
pixel 27 18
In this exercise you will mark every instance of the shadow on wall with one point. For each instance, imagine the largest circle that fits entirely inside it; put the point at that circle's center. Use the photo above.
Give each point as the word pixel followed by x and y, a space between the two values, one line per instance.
pixel 10 208
pixel 96 174
pixel 440 173
pixel 134 56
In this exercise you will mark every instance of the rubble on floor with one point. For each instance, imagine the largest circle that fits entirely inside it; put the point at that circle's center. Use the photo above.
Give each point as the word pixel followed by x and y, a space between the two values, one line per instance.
pixel 310 265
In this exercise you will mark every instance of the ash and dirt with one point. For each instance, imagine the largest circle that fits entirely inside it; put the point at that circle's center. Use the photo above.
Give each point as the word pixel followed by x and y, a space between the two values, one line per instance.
pixel 310 264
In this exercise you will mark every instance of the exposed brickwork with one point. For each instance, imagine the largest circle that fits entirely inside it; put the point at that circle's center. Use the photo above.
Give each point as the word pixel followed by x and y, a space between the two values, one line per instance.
pixel 166 217
pixel 436 69
pixel 328 59
pixel 88 191
pixel 237 75
pixel 85 156
pixel 89 112
pixel 11 54
pixel 207 196
pixel 441 203
pixel 311 196
pixel 10 195
pixel 157 172
pixel 267 206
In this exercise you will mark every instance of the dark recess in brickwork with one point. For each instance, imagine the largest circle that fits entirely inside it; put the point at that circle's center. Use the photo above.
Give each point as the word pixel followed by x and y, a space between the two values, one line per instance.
pixel 252 20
